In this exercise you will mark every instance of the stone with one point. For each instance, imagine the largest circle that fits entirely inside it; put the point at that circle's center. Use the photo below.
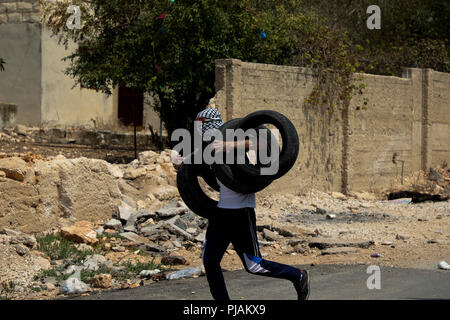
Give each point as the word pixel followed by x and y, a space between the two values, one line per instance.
pixel 94 262
pixel 295 242
pixel 102 280
pixel 151 248
pixel 165 192
pixel 84 247
pixel 15 168
pixel 153 233
pixel 132 173
pixel 270 235
pixel 320 211
pixel 21 250
pixel 339 250
pixel 402 237
pixel 201 236
pixel 99 231
pixel 147 157
pixel 125 211
pixel 113 224
pixel 170 210
pixel 134 237
pixel 322 243
pixel 81 231
pixel 179 222
pixel 173 260
pixel 74 286
pixel 435 176
pixel 144 215
pixel 177 231
pixel 118 249
pixel 21 130
pixel 339 196
pixel 191 230
pixel 79 188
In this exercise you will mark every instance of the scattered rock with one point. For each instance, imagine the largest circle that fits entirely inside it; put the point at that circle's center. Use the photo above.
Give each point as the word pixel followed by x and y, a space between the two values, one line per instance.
pixel 94 262
pixel 165 192
pixel 173 260
pixel 169 211
pixel 134 237
pixel 132 173
pixel 151 248
pixel 113 224
pixel 270 235
pixel 103 280
pixel 154 233
pixel 177 231
pixel 81 231
pixel 435 176
pixel 118 249
pixel 339 250
pixel 339 196
pixel 402 237
pixel 332 243
pixel 125 211
pixel 21 250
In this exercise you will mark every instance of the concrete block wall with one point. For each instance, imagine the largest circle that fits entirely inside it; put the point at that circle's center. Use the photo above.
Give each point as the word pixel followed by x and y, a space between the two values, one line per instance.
pixel 352 150
pixel 12 11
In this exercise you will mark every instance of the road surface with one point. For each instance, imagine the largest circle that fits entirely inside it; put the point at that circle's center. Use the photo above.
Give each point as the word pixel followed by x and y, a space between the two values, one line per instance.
pixel 342 282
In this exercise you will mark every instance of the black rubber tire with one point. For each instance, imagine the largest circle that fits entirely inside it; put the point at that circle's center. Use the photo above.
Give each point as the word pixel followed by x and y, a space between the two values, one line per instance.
pixel 191 192
pixel 289 150
pixel 206 172
pixel 229 177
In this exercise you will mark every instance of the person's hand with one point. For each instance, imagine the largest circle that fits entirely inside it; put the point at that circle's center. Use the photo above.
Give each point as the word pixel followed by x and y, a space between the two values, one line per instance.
pixel 177 162
pixel 218 146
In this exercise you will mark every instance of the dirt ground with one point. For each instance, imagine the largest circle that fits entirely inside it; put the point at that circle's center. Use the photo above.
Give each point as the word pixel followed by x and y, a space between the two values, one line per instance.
pixel 404 234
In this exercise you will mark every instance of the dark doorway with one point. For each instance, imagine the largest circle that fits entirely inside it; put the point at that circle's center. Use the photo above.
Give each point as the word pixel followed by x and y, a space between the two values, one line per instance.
pixel 129 98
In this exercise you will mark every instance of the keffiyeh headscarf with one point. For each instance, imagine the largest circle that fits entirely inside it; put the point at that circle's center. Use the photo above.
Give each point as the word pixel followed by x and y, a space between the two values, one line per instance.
pixel 209 118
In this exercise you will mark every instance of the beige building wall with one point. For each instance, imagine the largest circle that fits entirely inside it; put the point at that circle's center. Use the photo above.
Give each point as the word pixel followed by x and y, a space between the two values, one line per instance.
pixel 352 150
pixel 65 105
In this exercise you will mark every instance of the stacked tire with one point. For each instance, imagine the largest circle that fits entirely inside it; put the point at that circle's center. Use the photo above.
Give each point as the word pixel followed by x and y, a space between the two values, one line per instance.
pixel 246 177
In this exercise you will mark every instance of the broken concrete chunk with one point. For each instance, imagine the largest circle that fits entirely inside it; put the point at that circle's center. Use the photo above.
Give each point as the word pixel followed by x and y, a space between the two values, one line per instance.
pixel 321 243
pixel 81 231
pixel 113 224
pixel 339 250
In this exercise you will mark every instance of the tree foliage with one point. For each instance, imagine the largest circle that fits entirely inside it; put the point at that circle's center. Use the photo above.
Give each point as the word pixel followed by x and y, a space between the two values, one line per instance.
pixel 414 33
pixel 124 42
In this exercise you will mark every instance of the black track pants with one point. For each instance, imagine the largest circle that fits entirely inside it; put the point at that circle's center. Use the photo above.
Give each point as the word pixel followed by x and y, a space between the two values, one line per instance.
pixel 237 226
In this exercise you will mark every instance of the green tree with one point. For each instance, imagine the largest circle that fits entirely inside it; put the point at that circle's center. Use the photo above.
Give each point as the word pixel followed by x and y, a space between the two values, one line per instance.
pixel 414 33
pixel 173 56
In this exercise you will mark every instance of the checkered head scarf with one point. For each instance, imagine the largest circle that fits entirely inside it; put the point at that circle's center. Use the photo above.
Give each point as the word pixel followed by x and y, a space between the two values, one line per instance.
pixel 209 118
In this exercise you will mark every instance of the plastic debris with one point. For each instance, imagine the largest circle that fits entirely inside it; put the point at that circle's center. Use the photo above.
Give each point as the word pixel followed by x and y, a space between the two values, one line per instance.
pixel 185 273
pixel 74 286
pixel 444 265
pixel 147 273
pixel 375 255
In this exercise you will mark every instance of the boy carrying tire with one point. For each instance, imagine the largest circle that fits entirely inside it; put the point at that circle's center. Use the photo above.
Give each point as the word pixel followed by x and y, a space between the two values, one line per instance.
pixel 235 222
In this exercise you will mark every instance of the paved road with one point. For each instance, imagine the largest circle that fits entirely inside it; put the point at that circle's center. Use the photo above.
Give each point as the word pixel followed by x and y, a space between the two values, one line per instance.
pixel 340 282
